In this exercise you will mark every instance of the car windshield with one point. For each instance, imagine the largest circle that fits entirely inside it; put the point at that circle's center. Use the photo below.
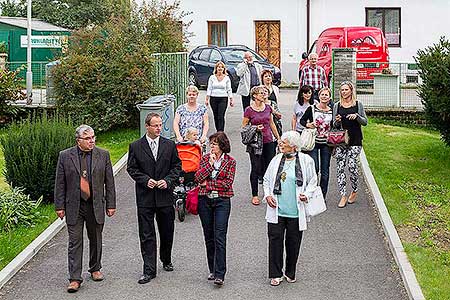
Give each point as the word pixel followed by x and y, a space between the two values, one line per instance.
pixel 237 55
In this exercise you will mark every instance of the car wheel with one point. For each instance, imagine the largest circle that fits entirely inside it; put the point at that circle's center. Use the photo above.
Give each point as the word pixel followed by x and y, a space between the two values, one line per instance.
pixel 192 79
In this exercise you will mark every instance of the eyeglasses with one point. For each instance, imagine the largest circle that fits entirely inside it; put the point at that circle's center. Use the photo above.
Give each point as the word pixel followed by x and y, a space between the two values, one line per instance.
pixel 87 138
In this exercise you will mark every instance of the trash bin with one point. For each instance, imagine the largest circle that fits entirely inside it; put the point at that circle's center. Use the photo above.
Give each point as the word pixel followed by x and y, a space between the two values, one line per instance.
pixel 162 105
pixel 50 85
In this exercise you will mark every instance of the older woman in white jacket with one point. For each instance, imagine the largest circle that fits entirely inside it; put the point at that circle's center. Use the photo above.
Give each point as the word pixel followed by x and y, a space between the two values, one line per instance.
pixel 289 182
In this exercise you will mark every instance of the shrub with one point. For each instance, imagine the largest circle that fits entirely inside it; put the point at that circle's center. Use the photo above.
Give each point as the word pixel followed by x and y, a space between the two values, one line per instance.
pixel 31 153
pixel 108 68
pixel 10 91
pixel 16 208
pixel 434 69
pixel 3 47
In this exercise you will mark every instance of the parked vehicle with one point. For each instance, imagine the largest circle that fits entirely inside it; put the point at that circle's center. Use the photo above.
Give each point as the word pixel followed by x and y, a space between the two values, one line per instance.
pixel 203 58
pixel 372 49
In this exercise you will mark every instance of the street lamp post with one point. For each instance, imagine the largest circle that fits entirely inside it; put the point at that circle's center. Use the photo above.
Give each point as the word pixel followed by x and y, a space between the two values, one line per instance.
pixel 29 72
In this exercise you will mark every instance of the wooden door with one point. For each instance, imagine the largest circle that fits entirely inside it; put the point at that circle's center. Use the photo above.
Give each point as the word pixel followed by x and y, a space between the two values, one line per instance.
pixel 268 42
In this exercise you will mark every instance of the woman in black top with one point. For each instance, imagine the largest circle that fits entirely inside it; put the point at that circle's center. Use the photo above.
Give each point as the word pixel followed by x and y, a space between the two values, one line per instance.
pixel 349 113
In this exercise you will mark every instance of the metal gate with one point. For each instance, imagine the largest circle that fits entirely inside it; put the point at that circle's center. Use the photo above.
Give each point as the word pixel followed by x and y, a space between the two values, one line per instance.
pixel 171 74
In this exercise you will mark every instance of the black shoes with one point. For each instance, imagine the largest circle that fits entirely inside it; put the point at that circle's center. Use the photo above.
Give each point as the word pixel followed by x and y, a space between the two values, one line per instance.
pixel 168 267
pixel 145 278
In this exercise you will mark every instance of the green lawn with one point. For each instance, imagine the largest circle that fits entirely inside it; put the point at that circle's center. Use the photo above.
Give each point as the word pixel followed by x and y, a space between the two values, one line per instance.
pixel 412 170
pixel 13 242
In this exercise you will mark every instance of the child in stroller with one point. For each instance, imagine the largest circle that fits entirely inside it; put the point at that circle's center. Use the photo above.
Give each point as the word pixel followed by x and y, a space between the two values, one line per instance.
pixel 190 153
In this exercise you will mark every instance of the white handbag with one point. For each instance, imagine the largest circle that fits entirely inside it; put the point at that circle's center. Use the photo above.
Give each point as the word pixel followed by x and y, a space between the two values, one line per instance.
pixel 308 139
pixel 316 203
pixel 308 136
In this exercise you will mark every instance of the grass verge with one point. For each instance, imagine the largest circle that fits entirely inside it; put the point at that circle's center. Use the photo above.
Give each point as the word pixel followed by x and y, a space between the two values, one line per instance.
pixel 411 167
pixel 13 242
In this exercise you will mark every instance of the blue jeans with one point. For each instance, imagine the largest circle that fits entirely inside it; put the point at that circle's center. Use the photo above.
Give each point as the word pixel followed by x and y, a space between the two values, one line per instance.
pixel 324 164
pixel 214 215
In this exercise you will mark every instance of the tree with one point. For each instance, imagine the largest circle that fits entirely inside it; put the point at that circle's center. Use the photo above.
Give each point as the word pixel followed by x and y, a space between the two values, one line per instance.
pixel 434 69
pixel 108 68
pixel 71 14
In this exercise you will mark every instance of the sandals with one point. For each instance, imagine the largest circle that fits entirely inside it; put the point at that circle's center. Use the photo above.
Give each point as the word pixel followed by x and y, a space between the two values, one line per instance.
pixel 352 198
pixel 290 280
pixel 256 201
pixel 276 281
pixel 343 202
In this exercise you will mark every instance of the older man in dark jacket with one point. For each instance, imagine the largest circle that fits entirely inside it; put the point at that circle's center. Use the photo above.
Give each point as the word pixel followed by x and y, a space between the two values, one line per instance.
pixel 84 191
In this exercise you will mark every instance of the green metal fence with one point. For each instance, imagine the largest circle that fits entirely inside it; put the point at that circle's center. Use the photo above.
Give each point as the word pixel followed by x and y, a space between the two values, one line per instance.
pixel 39 80
pixel 171 74
pixel 37 67
pixel 398 88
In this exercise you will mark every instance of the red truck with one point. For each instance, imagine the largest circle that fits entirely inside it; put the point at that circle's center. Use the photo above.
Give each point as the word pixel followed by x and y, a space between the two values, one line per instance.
pixel 372 50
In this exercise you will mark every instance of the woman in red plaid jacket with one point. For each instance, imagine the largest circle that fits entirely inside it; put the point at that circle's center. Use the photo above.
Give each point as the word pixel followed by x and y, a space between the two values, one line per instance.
pixel 216 176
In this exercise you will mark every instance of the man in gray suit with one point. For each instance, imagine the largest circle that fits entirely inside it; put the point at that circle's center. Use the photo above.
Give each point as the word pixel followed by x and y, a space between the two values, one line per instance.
pixel 84 191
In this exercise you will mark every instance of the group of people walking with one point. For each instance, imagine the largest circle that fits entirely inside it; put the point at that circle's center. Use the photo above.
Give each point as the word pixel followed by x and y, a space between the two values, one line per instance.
pixel 289 178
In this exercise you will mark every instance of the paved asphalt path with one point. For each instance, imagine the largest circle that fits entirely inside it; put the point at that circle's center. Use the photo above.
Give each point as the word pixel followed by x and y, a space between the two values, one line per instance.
pixel 344 254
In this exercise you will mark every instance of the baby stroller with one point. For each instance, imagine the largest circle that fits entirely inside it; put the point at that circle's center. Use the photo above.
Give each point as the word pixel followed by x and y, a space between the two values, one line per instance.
pixel 190 154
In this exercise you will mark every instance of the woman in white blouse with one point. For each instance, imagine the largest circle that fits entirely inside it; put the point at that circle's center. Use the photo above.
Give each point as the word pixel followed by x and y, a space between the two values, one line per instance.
pixel 219 94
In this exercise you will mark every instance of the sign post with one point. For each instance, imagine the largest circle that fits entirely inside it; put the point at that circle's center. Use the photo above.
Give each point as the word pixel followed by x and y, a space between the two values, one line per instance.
pixel 29 78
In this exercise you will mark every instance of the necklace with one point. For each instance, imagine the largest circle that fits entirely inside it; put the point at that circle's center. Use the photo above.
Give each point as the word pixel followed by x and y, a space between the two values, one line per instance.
pixel 288 166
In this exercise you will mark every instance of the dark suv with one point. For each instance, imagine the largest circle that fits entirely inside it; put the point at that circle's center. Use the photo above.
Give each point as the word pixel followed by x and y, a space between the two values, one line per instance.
pixel 203 59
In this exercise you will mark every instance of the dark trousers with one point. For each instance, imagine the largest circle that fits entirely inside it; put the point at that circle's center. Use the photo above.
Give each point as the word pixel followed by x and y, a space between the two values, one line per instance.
pixel 219 107
pixel 245 102
pixel 75 249
pixel 214 215
pixel 321 154
pixel 285 231
pixel 259 164
pixel 165 217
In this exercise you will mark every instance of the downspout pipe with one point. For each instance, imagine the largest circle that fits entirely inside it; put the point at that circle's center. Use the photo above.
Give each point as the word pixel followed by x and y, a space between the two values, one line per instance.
pixel 308 20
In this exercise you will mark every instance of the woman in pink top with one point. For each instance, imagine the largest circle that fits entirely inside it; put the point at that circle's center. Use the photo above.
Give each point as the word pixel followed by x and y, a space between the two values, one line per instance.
pixel 259 114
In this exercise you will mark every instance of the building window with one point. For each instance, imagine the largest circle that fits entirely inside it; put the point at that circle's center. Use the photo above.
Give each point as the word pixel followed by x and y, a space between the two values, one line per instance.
pixel 388 19
pixel 217 33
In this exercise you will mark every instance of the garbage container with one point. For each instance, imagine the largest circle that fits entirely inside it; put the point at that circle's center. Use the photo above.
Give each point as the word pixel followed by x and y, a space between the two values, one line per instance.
pixel 162 105
pixel 50 85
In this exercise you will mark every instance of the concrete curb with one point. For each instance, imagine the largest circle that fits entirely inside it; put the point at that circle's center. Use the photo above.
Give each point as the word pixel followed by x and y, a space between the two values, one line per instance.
pixel 33 248
pixel 406 270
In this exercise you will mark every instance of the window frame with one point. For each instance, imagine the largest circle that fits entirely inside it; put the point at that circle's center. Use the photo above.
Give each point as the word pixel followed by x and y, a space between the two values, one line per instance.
pixel 210 24
pixel 384 9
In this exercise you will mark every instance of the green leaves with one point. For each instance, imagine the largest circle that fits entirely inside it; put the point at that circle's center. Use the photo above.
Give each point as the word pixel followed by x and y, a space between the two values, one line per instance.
pixel 434 69
pixel 31 152
pixel 16 208
pixel 108 68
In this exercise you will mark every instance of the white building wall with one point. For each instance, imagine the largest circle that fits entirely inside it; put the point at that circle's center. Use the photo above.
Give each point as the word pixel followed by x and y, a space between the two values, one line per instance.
pixel 422 22
pixel 240 17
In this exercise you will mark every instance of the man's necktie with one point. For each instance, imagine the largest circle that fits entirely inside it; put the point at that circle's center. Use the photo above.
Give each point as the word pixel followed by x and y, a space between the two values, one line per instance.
pixel 153 146
pixel 84 180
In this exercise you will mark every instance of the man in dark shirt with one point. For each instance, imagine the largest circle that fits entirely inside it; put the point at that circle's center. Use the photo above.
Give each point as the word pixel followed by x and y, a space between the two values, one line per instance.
pixel 84 191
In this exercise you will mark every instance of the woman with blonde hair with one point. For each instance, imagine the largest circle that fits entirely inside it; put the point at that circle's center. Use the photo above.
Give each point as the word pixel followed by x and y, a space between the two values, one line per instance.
pixel 191 114
pixel 219 94
pixel 349 114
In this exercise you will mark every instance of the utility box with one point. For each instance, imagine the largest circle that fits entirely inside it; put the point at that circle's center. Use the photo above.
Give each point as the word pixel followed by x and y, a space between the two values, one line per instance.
pixel 163 105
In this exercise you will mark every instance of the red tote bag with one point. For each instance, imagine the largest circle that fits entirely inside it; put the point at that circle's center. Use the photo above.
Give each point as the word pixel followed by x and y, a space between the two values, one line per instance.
pixel 192 201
